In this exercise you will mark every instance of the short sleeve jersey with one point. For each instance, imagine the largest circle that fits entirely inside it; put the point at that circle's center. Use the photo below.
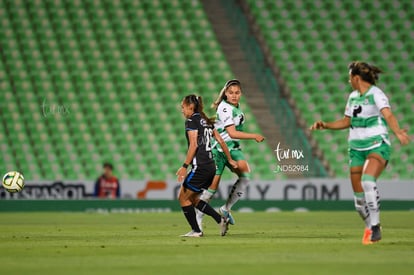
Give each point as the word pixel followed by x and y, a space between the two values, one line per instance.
pixel 203 154
pixel 227 115
pixel 368 127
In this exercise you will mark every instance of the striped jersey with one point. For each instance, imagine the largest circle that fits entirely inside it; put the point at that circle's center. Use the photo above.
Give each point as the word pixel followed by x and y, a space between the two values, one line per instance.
pixel 227 115
pixel 368 127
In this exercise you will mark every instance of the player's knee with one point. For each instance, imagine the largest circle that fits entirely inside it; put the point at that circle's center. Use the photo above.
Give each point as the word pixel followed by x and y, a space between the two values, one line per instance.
pixel 195 200
pixel 185 202
pixel 243 166
pixel 183 199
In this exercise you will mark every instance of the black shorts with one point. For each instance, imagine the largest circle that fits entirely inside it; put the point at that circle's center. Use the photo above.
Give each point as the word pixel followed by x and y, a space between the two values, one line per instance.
pixel 200 177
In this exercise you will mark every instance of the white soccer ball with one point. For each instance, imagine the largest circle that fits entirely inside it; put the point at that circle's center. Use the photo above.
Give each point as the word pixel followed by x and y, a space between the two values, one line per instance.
pixel 13 181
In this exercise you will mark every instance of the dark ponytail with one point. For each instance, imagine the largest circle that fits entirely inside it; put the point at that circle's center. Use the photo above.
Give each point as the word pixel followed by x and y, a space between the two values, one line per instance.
pixel 198 107
pixel 367 72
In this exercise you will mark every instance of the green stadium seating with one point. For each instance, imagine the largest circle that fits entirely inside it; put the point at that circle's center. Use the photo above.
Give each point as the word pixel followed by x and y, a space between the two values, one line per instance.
pixel 111 75
pixel 312 43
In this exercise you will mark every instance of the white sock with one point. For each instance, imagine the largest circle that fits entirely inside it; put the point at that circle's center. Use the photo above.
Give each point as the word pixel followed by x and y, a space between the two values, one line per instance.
pixel 236 192
pixel 207 195
pixel 199 218
pixel 362 208
pixel 371 198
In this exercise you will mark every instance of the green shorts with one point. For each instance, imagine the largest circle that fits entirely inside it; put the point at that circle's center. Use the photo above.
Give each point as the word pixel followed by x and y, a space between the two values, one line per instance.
pixel 221 160
pixel 357 158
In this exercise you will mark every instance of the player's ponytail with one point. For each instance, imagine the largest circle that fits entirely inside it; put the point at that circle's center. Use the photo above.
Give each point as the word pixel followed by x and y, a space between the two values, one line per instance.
pixel 198 107
pixel 374 71
pixel 367 72
pixel 222 95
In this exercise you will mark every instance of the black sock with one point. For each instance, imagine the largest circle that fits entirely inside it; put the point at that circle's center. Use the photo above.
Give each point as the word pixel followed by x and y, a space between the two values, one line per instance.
pixel 190 215
pixel 208 210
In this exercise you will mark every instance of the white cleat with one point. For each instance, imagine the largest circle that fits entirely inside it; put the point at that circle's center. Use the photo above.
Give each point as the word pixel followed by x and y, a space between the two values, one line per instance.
pixel 193 234
pixel 224 226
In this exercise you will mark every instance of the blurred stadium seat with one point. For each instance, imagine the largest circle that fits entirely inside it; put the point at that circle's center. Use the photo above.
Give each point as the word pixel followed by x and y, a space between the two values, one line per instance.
pixel 94 81
pixel 312 43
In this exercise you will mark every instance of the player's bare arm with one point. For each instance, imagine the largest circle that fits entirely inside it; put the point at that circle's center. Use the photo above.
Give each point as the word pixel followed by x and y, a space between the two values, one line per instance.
pixel 339 124
pixel 233 133
pixel 392 122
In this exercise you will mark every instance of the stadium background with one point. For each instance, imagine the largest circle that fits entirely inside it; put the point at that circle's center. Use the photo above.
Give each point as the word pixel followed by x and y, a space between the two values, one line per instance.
pixel 83 82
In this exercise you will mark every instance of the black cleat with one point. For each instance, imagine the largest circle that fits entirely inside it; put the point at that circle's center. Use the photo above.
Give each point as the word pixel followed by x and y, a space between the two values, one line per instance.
pixel 376 233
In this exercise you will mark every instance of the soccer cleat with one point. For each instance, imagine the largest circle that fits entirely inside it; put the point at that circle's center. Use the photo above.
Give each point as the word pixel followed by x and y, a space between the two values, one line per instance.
pixel 193 234
pixel 199 217
pixel 227 215
pixel 224 226
pixel 366 239
pixel 376 233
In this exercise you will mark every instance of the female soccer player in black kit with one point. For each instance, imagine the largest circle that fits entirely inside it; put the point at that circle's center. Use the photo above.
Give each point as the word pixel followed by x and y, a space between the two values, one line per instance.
pixel 199 131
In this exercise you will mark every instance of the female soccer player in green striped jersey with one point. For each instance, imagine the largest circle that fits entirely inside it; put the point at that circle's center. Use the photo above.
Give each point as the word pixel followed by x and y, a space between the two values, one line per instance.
pixel 229 123
pixel 367 116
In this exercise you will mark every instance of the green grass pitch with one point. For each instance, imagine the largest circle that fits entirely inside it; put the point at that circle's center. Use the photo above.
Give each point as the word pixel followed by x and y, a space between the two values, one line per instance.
pixel 260 243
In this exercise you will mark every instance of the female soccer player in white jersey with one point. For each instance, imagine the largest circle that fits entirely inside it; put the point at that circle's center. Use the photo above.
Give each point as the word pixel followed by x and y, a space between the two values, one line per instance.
pixel 367 116
pixel 199 131
pixel 229 123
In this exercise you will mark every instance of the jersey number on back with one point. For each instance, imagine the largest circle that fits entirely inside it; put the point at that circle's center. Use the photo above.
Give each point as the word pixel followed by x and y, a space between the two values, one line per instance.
pixel 207 138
